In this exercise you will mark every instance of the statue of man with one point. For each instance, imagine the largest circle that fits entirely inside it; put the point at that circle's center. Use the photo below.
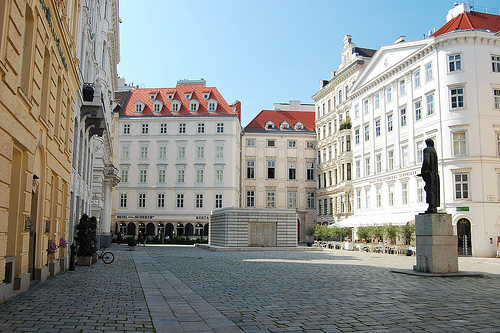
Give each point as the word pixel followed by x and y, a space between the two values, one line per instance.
pixel 429 173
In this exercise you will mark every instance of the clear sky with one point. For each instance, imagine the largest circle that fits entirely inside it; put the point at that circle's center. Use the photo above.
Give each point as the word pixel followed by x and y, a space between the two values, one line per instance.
pixel 262 52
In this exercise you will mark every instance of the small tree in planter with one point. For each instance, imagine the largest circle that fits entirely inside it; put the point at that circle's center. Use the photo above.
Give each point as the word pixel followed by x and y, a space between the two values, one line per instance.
pixel 407 232
pixel 85 239
pixel 365 233
pixel 310 232
pixel 391 232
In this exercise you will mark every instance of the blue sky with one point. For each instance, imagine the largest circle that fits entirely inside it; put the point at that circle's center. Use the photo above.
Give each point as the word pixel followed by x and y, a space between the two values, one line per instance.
pixel 262 52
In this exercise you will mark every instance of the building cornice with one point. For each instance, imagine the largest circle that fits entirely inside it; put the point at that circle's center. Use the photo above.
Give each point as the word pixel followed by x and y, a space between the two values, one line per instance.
pixel 339 77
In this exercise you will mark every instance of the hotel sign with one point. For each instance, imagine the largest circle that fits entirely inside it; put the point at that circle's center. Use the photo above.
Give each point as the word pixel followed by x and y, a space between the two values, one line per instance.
pixel 135 217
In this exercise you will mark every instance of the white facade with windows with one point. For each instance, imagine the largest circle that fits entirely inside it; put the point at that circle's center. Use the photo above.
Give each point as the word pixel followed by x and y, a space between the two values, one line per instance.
pixel 444 87
pixel 335 136
pixel 176 166
pixel 279 161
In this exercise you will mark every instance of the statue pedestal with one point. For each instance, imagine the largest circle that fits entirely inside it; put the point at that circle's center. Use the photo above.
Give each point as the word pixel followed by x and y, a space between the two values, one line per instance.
pixel 436 245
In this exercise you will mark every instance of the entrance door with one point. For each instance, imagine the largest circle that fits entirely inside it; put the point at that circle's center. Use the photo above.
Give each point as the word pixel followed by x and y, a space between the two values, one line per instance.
pixel 32 244
pixel 464 238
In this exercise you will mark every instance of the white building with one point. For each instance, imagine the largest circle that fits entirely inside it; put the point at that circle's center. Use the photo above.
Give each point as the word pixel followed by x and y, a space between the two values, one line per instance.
pixel 445 87
pixel 334 135
pixel 179 158
pixel 93 174
pixel 278 156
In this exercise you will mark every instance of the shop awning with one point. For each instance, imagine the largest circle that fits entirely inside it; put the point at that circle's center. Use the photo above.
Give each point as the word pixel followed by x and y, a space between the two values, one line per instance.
pixel 377 219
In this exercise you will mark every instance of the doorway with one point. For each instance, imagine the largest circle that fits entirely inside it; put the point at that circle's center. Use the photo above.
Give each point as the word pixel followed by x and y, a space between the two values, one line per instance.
pixel 464 237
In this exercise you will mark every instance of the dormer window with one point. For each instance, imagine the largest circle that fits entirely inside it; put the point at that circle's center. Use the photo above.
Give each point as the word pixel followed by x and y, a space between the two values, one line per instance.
pixel 212 105
pixel 170 97
pixel 139 107
pixel 188 96
pixel 299 126
pixel 270 125
pixel 176 106
pixel 193 106
pixel 284 126
pixel 157 105
pixel 206 95
pixel 152 96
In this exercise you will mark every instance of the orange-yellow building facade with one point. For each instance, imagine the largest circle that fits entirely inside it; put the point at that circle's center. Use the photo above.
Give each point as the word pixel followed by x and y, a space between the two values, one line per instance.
pixel 38 82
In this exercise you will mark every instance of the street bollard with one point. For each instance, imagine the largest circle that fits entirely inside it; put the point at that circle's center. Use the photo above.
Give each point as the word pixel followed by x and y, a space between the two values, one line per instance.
pixel 72 257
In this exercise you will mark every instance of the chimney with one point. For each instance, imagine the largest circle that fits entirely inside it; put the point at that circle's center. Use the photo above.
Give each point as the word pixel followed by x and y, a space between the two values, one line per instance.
pixel 400 39
pixel 457 10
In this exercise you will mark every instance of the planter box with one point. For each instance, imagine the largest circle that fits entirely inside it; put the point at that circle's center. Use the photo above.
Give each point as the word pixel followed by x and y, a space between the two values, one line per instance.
pixel 84 261
pixel 54 268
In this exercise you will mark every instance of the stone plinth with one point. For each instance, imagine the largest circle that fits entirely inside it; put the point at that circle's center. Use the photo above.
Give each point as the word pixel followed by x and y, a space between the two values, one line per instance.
pixel 436 245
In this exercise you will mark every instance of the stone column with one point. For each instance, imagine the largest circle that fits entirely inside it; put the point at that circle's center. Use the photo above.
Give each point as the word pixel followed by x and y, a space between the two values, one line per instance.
pixel 436 245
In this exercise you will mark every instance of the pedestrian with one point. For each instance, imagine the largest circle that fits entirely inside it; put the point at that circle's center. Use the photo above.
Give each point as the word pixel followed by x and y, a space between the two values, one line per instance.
pixel 119 238
pixel 140 238
pixel 498 246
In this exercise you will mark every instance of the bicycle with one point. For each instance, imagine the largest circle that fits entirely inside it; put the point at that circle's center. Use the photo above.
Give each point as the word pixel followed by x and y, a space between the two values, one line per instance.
pixel 106 256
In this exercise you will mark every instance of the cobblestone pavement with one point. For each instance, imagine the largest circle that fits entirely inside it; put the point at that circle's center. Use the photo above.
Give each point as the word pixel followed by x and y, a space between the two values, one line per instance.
pixel 188 289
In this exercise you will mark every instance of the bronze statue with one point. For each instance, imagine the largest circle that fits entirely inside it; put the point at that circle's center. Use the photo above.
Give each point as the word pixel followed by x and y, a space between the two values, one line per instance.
pixel 429 173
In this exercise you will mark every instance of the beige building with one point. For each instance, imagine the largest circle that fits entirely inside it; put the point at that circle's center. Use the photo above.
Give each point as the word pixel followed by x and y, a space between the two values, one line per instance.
pixel 334 135
pixel 38 82
pixel 279 162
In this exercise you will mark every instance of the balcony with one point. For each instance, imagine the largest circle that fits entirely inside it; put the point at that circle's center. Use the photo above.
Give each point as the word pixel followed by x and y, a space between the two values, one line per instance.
pixel 92 111
pixel 111 173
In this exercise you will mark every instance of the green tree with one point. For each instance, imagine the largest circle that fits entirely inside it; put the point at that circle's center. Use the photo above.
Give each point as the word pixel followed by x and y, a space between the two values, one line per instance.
pixel 86 236
pixel 407 232
pixel 365 233
pixel 391 232
pixel 378 232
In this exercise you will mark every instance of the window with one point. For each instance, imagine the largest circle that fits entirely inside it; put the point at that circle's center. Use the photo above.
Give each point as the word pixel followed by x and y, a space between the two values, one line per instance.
pixel 270 199
pixel 156 107
pixel 390 160
pixel 219 152
pixel 142 200
pixel 454 63
pixel 125 152
pixel 356 136
pixel 325 206
pixel 430 104
pixel 138 108
pixel 250 198
pixel 284 126
pixel 144 152
pixel 348 142
pixel 292 170
pixel 162 175
pixel 175 107
pixel 420 191
pixel 182 128
pixel 356 111
pixel 124 176
pixel 200 176
pixel 419 151
pixel 388 92
pixel 367 132
pixel 218 201
pixel 250 142
pixel 461 186
pixel 498 143
pixel 199 201
pixel 193 106
pixel 292 199
pixel 403 116
pixel 143 176
pixel 496 96
pixel 402 87
pixel 220 128
pixel 271 143
pixel 457 98
pixel 365 106
pixel 416 78
pixel 250 169
pixel 378 196
pixel 310 199
pixel 389 123
pixel 378 163
pixel 418 110
pixel 459 144
pixel 201 128
pixel 377 127
pixel 144 128
pixel 428 71
pixel 160 200
pixel 357 165
pixel 292 144
pixel 310 170
pixel 219 175
pixel 340 96
pixel 271 168
pixel 180 175
pixel 377 100
pixel 200 151
pixel 123 200
pixel 163 128
pixel 367 197
pixel 495 63
pixel 126 129
pixel 349 177
pixel 404 193
pixel 162 152
pixel 269 125
pixel 390 192
pixel 367 166
pixel 181 152
pixel 358 199
pixel 404 156
pixel 310 145
pixel 180 201
pixel 212 107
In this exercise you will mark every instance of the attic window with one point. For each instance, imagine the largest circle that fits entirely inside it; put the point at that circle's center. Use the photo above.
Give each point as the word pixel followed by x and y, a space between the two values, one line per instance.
pixel 157 107
pixel 152 96
pixel 284 126
pixel 170 97
pixel 212 106
pixel 139 107
pixel 176 105
pixel 206 95
pixel 270 125
pixel 188 96
pixel 193 106
pixel 299 126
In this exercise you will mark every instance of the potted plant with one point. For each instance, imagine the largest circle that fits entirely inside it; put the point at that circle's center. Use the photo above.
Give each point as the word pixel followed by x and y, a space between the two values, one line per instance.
pixel 406 232
pixel 131 242
pixel 63 256
pixel 85 239
pixel 51 250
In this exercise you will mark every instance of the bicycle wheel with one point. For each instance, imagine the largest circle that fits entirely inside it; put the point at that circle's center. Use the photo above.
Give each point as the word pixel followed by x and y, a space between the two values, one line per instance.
pixel 108 257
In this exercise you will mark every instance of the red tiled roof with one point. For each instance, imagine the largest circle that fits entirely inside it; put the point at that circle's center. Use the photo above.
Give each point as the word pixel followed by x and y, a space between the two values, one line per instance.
pixel 277 117
pixel 468 21
pixel 196 89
